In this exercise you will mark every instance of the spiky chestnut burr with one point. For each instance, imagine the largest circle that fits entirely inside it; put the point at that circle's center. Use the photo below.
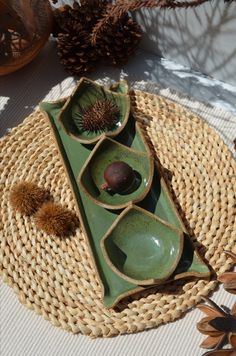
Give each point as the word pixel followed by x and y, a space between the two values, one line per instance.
pixel 27 197
pixel 54 219
pixel 100 116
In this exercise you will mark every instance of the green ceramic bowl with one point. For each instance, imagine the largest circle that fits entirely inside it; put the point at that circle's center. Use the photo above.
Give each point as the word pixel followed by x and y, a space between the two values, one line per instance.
pixel 86 94
pixel 92 173
pixel 142 248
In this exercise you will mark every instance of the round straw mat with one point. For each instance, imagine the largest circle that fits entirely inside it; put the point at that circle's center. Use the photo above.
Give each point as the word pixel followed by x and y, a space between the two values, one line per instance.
pixel 55 277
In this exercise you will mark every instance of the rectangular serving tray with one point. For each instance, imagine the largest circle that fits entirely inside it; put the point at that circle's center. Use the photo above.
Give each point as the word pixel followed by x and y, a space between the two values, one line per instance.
pixel 95 220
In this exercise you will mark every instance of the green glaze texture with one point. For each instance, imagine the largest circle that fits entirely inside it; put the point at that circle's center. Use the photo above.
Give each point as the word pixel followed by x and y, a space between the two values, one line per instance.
pixel 96 221
pixel 141 248
pixel 104 153
pixel 86 94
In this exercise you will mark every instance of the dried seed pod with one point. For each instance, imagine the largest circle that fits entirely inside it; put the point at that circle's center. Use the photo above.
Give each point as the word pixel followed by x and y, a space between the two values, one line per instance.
pixel 100 116
pixel 218 324
pixel 229 278
pixel 119 177
pixel 55 220
pixel 27 197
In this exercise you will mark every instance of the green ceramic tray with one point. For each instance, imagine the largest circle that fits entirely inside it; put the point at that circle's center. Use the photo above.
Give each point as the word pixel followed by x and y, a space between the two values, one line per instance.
pixel 95 220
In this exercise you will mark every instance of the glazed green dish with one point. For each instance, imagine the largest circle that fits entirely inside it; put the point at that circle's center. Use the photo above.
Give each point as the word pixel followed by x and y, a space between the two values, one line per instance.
pixel 85 96
pixel 141 248
pixel 105 152
pixel 96 221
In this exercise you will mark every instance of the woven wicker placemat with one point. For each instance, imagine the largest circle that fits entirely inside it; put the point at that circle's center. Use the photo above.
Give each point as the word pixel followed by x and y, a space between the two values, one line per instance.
pixel 55 277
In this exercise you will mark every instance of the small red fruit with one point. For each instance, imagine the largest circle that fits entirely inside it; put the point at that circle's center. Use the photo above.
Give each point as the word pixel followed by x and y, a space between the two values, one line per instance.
pixel 119 177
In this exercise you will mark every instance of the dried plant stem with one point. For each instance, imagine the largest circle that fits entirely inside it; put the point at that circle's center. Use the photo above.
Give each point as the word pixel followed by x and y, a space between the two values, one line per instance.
pixel 116 11
pixel 133 5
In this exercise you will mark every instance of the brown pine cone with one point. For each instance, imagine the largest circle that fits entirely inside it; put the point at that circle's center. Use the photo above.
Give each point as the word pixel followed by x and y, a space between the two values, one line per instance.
pixel 73 27
pixel 119 41
pixel 61 17
pixel 90 12
pixel 76 53
pixel 87 13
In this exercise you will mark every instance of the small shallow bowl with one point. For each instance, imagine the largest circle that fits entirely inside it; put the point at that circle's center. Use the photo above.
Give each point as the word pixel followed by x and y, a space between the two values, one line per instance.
pixel 88 92
pixel 92 173
pixel 141 248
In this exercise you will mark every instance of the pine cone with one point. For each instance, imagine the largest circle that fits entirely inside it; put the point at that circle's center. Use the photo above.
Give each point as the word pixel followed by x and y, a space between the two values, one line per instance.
pixel 119 40
pixel 89 12
pixel 73 27
pixel 75 51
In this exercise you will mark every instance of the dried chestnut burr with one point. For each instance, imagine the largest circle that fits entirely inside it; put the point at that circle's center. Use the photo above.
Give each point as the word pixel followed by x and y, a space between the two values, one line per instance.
pixel 100 116
pixel 119 177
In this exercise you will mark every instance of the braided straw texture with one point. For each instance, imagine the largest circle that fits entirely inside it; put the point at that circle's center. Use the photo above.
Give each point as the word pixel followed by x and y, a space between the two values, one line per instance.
pixel 55 278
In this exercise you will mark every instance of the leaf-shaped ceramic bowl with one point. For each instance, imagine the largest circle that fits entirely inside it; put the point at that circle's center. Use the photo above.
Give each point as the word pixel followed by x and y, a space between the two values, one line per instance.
pixel 86 94
pixel 141 248
pixel 107 151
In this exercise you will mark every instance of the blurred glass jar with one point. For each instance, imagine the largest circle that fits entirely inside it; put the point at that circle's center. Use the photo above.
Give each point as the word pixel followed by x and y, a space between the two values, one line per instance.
pixel 25 26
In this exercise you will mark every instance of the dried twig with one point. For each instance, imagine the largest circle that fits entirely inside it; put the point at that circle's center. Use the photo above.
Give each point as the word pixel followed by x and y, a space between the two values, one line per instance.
pixel 116 11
